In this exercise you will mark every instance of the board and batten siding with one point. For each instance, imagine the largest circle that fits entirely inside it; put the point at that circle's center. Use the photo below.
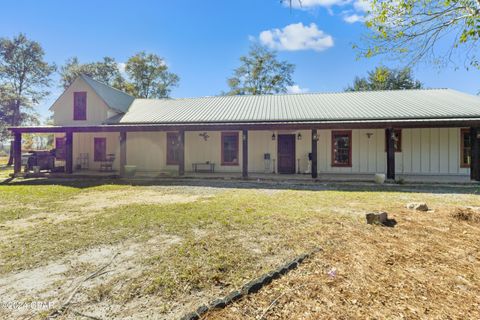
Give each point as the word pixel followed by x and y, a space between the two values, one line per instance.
pixel 97 109
pixel 424 151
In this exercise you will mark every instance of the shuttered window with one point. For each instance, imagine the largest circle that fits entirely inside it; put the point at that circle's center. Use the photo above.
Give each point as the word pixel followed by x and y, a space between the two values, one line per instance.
pixel 466 148
pixel 79 106
pixel 100 149
pixel 230 148
pixel 172 148
pixel 60 148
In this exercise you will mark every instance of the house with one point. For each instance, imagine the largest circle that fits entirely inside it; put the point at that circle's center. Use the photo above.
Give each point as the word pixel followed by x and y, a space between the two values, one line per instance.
pixel 419 134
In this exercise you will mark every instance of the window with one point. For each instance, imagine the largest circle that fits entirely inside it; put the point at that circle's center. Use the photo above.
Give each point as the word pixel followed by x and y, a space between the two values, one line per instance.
pixel 466 151
pixel 60 148
pixel 341 148
pixel 230 148
pixel 172 148
pixel 100 149
pixel 397 145
pixel 79 106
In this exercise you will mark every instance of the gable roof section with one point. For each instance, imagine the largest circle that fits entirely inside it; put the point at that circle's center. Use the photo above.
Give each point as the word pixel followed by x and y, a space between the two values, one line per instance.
pixel 344 106
pixel 114 98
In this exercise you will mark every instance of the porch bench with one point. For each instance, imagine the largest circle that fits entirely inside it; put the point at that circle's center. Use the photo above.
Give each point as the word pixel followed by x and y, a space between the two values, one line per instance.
pixel 203 167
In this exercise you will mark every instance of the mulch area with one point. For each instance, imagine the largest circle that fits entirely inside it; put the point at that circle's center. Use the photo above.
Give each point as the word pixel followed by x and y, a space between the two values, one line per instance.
pixel 427 266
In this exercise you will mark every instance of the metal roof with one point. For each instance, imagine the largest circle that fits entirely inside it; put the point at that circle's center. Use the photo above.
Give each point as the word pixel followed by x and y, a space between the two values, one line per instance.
pixel 428 104
pixel 114 98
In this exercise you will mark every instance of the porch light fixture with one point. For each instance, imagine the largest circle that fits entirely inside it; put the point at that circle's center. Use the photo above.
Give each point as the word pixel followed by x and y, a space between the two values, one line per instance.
pixel 315 137
pixel 204 135
pixel 369 135
pixel 273 137
pixel 244 137
pixel 299 136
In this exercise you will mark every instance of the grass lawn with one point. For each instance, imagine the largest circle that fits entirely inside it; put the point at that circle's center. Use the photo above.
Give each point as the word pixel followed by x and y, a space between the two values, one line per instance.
pixel 170 249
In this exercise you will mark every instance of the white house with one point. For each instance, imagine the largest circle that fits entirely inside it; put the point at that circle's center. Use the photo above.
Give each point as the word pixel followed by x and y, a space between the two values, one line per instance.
pixel 410 133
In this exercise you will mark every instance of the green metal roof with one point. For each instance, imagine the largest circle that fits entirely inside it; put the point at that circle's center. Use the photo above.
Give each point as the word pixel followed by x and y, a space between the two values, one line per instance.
pixel 114 98
pixel 345 106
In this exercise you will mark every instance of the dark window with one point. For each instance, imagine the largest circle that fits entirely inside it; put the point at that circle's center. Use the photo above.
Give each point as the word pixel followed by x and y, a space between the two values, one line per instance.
pixel 79 106
pixel 341 148
pixel 230 148
pixel 60 148
pixel 466 151
pixel 172 147
pixel 397 144
pixel 100 149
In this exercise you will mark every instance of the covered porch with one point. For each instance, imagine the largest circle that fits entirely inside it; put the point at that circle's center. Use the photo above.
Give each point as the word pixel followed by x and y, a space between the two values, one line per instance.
pixel 309 142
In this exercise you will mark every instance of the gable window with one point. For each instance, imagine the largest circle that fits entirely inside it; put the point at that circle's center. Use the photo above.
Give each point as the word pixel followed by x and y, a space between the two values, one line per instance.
pixel 79 106
pixel 100 149
pixel 172 148
pixel 341 148
pixel 230 148
pixel 397 144
pixel 60 148
pixel 466 148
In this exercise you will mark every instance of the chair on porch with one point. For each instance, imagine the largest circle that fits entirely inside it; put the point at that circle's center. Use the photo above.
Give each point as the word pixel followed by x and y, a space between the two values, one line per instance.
pixel 107 164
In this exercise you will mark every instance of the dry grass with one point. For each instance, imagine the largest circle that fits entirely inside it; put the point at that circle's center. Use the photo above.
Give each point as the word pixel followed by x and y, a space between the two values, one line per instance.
pixel 187 245
pixel 467 214
pixel 428 266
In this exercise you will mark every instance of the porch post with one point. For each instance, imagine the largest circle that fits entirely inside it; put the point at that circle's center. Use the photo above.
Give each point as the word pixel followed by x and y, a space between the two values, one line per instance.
pixel 123 152
pixel 245 153
pixel 475 158
pixel 69 152
pixel 181 153
pixel 314 153
pixel 390 153
pixel 17 153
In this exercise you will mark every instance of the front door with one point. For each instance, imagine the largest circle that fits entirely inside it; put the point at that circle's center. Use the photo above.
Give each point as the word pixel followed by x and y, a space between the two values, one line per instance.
pixel 286 153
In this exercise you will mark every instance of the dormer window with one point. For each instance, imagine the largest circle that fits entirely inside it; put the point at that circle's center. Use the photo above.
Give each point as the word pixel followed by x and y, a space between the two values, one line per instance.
pixel 79 106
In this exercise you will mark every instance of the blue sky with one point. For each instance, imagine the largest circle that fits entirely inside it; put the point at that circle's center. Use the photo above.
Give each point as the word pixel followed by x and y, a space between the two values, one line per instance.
pixel 202 40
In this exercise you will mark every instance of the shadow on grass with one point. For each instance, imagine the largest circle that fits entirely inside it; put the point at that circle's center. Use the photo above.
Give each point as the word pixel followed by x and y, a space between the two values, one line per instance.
pixel 250 184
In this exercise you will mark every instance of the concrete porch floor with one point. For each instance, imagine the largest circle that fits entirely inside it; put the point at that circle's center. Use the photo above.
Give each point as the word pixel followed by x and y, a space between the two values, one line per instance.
pixel 322 177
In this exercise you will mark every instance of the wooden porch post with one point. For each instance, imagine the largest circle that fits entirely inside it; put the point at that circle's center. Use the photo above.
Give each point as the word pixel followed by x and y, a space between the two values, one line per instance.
pixel 475 158
pixel 181 153
pixel 69 152
pixel 314 153
pixel 390 154
pixel 17 153
pixel 245 153
pixel 123 152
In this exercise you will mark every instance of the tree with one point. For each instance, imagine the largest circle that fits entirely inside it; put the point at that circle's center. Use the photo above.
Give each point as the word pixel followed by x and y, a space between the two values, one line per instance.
pixel 106 71
pixel 149 76
pixel 26 76
pixel 383 78
pixel 261 73
pixel 412 30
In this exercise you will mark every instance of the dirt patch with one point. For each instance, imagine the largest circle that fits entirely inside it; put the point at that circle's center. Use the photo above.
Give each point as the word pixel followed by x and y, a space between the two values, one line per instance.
pixel 52 284
pixel 94 201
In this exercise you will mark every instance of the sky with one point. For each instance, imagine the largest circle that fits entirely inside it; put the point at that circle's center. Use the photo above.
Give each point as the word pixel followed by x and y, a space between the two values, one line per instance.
pixel 202 41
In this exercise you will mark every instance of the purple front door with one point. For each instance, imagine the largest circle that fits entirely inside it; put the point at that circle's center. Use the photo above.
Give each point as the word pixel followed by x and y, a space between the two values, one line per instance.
pixel 286 153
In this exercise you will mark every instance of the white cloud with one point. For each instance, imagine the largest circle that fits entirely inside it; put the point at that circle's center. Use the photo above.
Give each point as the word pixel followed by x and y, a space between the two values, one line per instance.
pixel 296 37
pixel 362 5
pixel 121 67
pixel 352 18
pixel 308 4
pixel 296 89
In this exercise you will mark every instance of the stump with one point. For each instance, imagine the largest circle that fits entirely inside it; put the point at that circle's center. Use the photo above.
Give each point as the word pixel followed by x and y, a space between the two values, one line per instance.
pixel 377 218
